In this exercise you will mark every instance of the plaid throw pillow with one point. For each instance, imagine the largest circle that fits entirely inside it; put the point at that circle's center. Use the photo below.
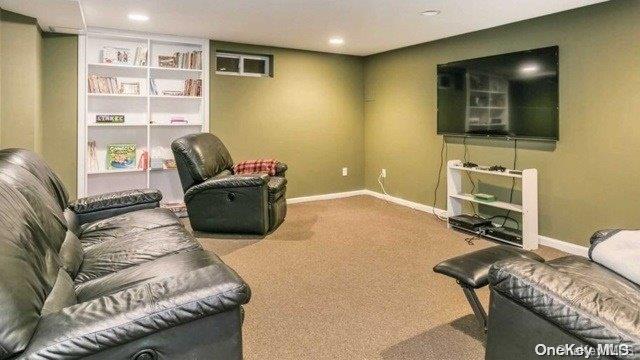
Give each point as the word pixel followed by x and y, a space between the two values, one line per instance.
pixel 267 166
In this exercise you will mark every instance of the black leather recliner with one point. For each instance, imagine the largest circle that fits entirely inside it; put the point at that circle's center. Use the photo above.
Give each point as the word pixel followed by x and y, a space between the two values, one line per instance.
pixel 220 201
pixel 568 301
pixel 110 276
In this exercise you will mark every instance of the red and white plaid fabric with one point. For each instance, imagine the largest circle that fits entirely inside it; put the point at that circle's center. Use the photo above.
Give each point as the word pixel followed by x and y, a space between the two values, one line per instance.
pixel 267 166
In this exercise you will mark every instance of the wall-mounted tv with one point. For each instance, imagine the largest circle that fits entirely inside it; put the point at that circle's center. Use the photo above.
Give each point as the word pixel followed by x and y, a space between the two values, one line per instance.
pixel 511 95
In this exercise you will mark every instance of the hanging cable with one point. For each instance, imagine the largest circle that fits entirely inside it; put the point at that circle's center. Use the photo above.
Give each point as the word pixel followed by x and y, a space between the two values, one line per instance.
pixel 435 190
pixel 513 183
pixel 473 184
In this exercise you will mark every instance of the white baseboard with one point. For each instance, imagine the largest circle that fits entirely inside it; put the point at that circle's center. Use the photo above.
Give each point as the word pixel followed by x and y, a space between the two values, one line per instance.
pixel 407 203
pixel 325 196
pixel 563 246
pixel 542 240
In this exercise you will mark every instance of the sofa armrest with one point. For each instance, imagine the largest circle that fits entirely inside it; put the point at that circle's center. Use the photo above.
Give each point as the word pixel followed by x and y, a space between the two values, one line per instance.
pixel 228 182
pixel 581 308
pixel 96 207
pixel 113 320
pixel 281 168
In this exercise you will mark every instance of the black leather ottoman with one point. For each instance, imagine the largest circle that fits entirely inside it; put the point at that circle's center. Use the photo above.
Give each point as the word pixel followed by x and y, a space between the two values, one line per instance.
pixel 471 271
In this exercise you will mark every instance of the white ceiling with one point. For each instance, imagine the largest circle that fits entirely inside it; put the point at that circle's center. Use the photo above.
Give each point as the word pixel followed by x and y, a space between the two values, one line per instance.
pixel 367 26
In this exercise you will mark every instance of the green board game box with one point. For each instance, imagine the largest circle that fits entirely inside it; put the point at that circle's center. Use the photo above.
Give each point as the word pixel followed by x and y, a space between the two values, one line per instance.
pixel 121 156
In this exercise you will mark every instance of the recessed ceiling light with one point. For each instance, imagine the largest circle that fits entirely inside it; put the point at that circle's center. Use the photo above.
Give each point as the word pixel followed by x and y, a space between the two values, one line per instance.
pixel 430 12
pixel 336 41
pixel 138 17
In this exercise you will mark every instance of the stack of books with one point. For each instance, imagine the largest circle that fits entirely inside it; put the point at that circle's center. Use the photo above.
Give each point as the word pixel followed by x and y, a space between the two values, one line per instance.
pixel 192 87
pixel 141 56
pixel 103 84
pixel 189 60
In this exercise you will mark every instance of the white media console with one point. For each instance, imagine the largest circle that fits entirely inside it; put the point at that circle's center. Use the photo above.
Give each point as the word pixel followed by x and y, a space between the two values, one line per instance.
pixel 529 207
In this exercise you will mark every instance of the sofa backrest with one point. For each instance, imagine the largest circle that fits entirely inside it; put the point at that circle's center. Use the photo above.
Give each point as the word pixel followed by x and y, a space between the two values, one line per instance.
pixel 29 267
pixel 39 168
pixel 200 157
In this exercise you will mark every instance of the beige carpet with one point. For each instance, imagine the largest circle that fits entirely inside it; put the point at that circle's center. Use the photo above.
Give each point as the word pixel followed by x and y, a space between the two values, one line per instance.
pixel 352 279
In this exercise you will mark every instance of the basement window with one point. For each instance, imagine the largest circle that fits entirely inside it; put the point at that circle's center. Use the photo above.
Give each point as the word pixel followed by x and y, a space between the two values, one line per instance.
pixel 239 64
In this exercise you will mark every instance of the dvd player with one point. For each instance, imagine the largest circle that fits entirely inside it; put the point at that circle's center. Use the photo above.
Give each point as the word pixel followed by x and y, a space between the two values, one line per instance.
pixel 469 222
pixel 504 233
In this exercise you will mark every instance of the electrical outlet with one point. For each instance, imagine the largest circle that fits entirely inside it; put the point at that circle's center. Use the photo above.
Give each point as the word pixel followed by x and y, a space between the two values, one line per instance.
pixel 345 171
pixel 383 173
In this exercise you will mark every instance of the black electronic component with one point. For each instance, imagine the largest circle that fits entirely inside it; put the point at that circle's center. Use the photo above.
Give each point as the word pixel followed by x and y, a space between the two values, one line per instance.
pixel 504 233
pixel 469 222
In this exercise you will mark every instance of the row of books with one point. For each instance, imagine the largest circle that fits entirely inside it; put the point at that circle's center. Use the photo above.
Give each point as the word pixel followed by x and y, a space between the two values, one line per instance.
pixel 182 60
pixel 193 87
pixel 103 84
pixel 141 56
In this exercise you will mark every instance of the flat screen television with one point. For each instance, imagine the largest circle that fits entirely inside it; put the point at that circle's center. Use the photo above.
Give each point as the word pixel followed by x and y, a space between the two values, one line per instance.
pixel 511 95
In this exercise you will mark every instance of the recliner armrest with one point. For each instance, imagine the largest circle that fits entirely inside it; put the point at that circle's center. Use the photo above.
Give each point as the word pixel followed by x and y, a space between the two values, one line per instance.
pixel 100 206
pixel 228 182
pixel 109 321
pixel 281 168
pixel 585 309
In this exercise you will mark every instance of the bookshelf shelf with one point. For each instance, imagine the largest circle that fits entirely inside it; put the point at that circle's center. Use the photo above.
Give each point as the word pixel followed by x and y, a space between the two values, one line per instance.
pixel 160 69
pixel 147 119
pixel 174 125
pixel 110 172
pixel 114 125
pixel 175 97
pixel 116 66
pixel 116 95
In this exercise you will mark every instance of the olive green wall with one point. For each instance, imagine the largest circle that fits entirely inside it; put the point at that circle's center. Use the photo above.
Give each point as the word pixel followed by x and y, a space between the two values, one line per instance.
pixel 21 44
pixel 588 181
pixel 60 106
pixel 309 115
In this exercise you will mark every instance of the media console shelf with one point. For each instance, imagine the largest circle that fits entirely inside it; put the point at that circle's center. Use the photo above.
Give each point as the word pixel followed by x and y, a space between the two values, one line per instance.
pixel 529 207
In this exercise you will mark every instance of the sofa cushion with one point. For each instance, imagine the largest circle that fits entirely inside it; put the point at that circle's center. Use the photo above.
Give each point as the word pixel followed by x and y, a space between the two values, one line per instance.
pixel 71 254
pixel 132 249
pixel 71 219
pixel 277 186
pixel 583 298
pixel 166 266
pixel 45 206
pixel 62 295
pixel 126 225
pixel 28 270
pixel 36 165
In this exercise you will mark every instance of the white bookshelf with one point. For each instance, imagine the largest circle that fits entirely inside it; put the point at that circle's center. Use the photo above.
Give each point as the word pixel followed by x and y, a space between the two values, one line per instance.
pixel 487 99
pixel 456 197
pixel 147 116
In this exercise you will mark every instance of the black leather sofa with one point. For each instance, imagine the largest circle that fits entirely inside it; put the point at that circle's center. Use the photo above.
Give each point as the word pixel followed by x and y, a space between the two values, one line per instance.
pixel 569 301
pixel 219 201
pixel 106 277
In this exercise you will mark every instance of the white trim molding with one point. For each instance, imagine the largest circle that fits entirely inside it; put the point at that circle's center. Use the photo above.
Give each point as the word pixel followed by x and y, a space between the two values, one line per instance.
pixel 339 195
pixel 567 247
pixel 410 204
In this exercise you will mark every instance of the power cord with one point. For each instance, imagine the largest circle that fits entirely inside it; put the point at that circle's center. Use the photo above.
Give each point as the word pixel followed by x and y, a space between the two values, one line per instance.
pixel 473 184
pixel 513 183
pixel 435 190
pixel 381 184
